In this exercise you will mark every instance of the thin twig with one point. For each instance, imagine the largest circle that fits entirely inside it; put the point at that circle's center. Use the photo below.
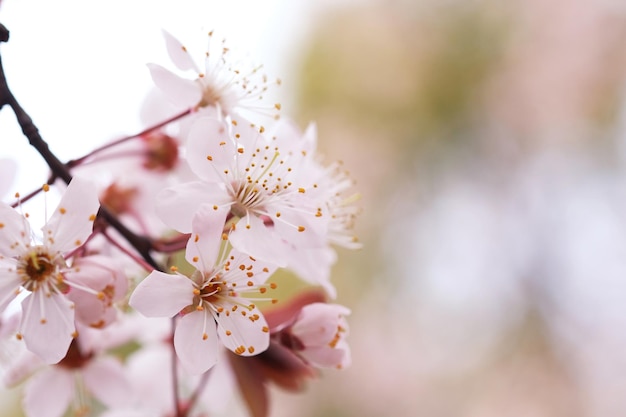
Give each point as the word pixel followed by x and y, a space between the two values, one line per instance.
pixel 59 169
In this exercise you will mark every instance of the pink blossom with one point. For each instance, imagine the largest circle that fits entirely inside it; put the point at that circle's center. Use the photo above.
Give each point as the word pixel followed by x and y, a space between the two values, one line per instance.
pixel 39 267
pixel 85 370
pixel 318 335
pixel 252 182
pixel 106 284
pixel 331 188
pixel 212 302
pixel 224 85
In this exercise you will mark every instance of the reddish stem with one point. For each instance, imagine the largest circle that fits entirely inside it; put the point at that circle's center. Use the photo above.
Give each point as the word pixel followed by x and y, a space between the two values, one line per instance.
pixel 75 162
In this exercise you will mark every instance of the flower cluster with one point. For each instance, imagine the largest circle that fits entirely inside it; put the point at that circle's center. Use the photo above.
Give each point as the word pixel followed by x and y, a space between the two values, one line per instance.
pixel 162 255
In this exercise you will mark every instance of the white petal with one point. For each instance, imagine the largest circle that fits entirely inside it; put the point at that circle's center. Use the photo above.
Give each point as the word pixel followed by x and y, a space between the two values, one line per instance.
pixel 178 53
pixel 195 342
pixel 10 282
pixel 72 221
pixel 313 234
pixel 325 356
pixel 49 393
pixel 237 330
pixel 21 368
pixel 210 149
pixel 313 266
pixel 176 206
pixel 251 236
pixel 162 295
pixel 179 90
pixel 127 412
pixel 99 273
pixel 318 323
pixel 47 325
pixel 206 237
pixel 150 370
pixel 247 269
pixel 106 380
pixel 14 232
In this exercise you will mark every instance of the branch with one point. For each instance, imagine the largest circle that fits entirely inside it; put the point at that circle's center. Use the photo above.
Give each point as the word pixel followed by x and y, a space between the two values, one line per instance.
pixel 59 169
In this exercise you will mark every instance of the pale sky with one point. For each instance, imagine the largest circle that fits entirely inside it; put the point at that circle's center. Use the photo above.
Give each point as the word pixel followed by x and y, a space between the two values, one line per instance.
pixel 78 67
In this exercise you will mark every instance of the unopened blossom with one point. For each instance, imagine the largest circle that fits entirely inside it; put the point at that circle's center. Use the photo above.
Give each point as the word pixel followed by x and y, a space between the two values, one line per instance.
pixel 38 266
pixel 106 283
pixel 223 85
pixel 253 183
pixel 212 302
pixel 318 335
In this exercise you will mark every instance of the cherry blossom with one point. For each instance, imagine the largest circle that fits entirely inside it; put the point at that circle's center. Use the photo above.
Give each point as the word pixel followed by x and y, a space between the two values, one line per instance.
pixel 85 369
pixel 106 284
pixel 224 85
pixel 212 303
pixel 331 188
pixel 251 184
pixel 318 335
pixel 38 266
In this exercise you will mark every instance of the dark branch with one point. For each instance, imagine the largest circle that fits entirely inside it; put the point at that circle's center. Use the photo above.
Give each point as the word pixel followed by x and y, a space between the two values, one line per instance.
pixel 58 168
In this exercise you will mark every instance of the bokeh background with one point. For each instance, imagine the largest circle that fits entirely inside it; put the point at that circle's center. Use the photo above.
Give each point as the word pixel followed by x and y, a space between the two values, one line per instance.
pixel 488 142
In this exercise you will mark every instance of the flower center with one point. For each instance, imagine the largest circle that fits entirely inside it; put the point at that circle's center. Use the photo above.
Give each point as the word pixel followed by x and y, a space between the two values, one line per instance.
pixel 36 267
pixel 247 196
pixel 210 95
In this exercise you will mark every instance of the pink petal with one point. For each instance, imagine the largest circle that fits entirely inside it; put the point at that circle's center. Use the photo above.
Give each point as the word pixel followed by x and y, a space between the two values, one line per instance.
pixel 206 237
pixel 21 368
pixel 314 229
pixel 179 90
pixel 162 295
pixel 47 325
pixel 14 232
pixel 313 266
pixel 251 236
pixel 248 137
pixel 106 379
pixel 72 221
pixel 195 342
pixel 326 357
pixel 10 282
pixel 98 272
pixel 237 330
pixel 318 322
pixel 210 149
pixel 178 53
pixel 127 412
pixel 176 206
pixel 150 370
pixel 49 393
pixel 248 269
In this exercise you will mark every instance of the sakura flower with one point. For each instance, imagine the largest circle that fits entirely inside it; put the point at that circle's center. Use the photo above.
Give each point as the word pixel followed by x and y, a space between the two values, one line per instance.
pixel 212 303
pixel 330 187
pixel 149 370
pixel 39 267
pixel 249 181
pixel 107 284
pixel 318 335
pixel 85 371
pixel 223 85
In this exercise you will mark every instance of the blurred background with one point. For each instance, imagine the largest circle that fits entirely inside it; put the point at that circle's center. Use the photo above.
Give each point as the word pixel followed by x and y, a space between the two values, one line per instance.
pixel 488 142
